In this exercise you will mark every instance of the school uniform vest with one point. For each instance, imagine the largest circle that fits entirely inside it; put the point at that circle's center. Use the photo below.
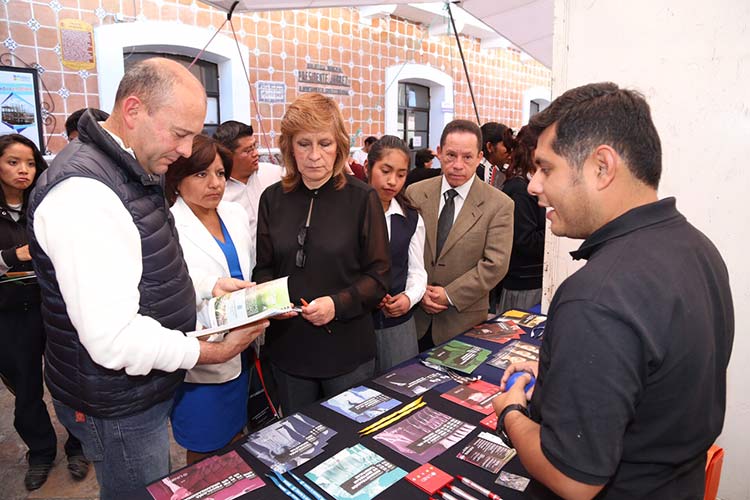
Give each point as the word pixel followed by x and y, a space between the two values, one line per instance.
pixel 166 291
pixel 402 229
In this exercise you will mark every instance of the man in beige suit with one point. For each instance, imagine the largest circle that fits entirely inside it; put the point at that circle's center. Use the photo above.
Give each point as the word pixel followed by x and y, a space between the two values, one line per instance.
pixel 468 240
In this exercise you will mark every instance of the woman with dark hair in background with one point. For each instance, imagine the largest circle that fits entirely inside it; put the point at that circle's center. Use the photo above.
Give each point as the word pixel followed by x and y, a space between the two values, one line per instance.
pixel 395 331
pixel 21 330
pixel 522 285
pixel 326 231
pixel 210 407
pixel 497 142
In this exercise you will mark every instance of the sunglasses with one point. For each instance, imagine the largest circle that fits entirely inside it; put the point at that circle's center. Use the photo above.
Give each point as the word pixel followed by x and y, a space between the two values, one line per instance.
pixel 301 258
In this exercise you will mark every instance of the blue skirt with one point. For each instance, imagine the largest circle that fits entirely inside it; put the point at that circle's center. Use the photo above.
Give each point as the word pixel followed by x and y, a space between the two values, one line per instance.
pixel 205 417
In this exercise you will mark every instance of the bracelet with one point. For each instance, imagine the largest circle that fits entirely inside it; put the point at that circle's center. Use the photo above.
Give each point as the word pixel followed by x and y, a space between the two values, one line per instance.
pixel 500 429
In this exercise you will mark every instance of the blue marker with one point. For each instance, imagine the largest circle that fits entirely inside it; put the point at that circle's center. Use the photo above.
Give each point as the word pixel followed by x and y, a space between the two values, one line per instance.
pixel 309 488
pixel 283 488
pixel 291 486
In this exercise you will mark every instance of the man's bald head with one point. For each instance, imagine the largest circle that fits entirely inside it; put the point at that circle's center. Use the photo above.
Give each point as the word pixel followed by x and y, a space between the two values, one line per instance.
pixel 153 82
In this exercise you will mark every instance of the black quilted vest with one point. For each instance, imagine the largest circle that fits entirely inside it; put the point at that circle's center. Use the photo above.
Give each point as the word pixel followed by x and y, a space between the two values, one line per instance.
pixel 166 292
pixel 402 229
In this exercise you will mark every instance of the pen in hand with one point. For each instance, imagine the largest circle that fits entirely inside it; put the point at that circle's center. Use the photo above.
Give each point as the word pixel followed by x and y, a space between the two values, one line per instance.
pixel 325 327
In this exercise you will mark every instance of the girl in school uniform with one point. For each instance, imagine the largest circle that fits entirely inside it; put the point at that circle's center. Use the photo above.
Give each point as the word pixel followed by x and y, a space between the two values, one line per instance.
pixel 395 333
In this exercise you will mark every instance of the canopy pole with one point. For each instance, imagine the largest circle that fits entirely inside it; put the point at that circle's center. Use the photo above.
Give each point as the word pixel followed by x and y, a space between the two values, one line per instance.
pixel 463 61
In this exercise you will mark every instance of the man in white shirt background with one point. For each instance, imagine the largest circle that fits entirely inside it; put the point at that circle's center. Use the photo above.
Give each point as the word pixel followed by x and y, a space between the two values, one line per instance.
pixel 116 294
pixel 360 156
pixel 250 177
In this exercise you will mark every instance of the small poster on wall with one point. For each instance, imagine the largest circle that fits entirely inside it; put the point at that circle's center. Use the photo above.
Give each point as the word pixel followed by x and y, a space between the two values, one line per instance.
pixel 77 44
pixel 20 109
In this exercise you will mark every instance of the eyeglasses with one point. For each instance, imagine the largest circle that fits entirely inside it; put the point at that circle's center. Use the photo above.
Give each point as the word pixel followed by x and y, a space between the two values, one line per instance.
pixel 301 258
pixel 249 150
pixel 301 237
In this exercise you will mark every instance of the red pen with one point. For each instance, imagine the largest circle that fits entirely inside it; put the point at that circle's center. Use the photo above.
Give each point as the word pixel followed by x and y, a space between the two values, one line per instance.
pixel 325 327
pixel 481 489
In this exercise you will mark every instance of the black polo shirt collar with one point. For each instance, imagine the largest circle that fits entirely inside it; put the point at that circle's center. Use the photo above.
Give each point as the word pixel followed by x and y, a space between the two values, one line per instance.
pixel 632 220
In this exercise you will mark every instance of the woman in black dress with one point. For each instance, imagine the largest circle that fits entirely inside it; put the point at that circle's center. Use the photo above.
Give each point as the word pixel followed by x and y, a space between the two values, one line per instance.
pixel 327 232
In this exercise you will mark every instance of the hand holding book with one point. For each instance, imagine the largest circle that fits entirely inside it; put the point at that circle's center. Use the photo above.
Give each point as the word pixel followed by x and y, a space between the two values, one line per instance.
pixel 243 306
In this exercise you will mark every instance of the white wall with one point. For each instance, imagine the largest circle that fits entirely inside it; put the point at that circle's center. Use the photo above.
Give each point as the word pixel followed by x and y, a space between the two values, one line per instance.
pixel 441 97
pixel 113 39
pixel 692 60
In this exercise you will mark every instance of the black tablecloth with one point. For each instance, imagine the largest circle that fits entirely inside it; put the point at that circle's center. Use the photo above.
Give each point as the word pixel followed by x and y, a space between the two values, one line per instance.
pixel 347 436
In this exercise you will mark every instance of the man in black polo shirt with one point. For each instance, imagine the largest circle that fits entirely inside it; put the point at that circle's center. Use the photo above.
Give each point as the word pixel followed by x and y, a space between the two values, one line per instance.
pixel 631 383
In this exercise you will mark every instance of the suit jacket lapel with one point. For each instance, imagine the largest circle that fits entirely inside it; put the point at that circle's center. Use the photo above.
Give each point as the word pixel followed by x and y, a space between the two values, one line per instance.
pixel 194 230
pixel 467 217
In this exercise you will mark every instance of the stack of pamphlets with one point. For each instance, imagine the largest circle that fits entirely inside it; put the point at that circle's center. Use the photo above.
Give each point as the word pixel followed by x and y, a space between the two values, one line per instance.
pixel 412 380
pixel 459 356
pixel 355 473
pixel 500 330
pixel 477 395
pixel 289 443
pixel 361 403
pixel 221 477
pixel 515 352
pixel 488 452
pixel 424 435
pixel 523 318
pixel 243 307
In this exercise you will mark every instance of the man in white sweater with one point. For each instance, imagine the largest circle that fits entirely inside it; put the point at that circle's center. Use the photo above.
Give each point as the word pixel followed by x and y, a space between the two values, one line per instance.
pixel 116 293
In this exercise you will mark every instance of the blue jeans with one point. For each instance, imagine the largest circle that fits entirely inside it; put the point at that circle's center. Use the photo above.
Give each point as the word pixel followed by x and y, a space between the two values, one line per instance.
pixel 127 452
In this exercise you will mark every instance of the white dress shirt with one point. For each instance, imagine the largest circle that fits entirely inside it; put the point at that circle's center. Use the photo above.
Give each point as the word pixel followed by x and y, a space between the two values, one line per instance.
pixel 416 277
pixel 458 201
pixel 95 248
pixel 360 157
pixel 248 194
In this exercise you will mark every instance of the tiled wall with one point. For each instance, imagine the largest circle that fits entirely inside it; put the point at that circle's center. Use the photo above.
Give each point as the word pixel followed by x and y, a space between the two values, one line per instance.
pixel 280 44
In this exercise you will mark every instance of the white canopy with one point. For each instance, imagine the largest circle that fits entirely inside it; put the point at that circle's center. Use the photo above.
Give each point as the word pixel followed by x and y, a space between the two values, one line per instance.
pixel 527 24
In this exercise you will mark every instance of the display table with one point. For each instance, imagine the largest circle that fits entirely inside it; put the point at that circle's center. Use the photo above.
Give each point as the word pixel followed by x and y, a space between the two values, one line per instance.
pixel 347 436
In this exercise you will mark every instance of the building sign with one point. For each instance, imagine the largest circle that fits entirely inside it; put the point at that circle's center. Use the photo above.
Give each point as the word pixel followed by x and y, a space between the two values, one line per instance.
pixel 77 44
pixel 324 79
pixel 270 92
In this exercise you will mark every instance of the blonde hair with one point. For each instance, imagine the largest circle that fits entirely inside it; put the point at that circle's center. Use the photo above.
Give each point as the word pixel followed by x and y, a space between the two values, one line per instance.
pixel 312 113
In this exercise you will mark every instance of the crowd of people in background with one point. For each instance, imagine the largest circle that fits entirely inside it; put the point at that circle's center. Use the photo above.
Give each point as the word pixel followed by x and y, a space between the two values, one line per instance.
pixel 238 220
pixel 386 258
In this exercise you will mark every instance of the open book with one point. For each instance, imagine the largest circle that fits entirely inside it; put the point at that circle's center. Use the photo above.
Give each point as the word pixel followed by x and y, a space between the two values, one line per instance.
pixel 243 307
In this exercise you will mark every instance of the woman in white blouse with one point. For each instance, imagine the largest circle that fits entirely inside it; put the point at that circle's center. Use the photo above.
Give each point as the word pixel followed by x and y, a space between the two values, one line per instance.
pixel 210 408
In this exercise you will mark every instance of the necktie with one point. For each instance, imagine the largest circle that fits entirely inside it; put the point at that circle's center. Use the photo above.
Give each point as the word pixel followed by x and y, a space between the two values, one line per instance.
pixel 445 221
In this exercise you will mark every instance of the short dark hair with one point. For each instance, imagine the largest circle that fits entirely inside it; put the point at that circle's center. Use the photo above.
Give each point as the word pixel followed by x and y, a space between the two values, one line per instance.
pixel 203 154
pixel 41 165
pixel 464 126
pixel 71 124
pixel 493 133
pixel 231 131
pixel 603 113
pixel 370 140
pixel 422 157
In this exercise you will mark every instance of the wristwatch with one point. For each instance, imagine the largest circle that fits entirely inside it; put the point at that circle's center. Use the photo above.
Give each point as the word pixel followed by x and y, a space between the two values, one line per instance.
pixel 500 429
